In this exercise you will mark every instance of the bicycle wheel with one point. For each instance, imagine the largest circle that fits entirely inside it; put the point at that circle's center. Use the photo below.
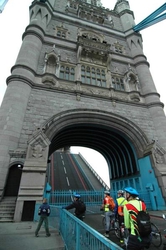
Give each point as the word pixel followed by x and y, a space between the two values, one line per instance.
pixel 156 238
pixel 117 232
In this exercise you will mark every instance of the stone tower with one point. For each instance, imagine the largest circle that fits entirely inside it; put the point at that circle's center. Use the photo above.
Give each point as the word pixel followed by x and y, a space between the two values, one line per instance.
pixel 81 79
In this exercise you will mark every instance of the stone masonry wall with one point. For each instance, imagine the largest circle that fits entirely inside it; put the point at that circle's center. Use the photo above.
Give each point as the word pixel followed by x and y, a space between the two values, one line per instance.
pixel 44 104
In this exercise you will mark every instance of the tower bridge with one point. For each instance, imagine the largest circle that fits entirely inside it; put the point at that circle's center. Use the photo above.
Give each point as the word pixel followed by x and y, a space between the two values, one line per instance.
pixel 81 79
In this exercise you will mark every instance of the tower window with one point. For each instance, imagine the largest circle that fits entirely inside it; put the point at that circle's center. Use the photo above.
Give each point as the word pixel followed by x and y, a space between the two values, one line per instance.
pixel 67 73
pixel 61 33
pixel 93 76
pixel 117 83
pixel 118 48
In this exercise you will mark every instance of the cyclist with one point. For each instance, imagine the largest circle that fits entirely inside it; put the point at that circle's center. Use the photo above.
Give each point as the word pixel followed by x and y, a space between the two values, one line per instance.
pixel 79 206
pixel 134 241
pixel 119 204
pixel 108 207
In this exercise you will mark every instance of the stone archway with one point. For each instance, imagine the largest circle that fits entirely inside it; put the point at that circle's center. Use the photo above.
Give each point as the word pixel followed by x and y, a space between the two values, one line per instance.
pixel 56 133
pixel 76 117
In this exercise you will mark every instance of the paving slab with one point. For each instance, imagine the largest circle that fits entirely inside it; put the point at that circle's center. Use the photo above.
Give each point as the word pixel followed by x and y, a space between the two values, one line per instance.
pixel 18 236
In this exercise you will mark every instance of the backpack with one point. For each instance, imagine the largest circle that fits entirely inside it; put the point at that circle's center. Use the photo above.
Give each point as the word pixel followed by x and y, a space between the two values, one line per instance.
pixel 81 207
pixel 120 207
pixel 111 204
pixel 143 222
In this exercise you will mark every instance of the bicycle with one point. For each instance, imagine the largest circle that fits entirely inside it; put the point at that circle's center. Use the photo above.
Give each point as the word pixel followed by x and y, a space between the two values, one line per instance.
pixel 156 238
pixel 114 226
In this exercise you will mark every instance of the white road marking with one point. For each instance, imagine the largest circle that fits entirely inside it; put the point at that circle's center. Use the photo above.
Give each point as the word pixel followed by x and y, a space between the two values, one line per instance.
pixel 71 194
pixel 67 181
pixel 65 170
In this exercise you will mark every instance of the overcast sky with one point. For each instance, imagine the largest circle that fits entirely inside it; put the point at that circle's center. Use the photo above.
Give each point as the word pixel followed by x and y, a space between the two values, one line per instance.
pixel 15 18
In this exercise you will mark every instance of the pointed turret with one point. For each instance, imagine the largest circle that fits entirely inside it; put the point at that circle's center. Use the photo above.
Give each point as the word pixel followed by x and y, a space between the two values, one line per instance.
pixel 122 7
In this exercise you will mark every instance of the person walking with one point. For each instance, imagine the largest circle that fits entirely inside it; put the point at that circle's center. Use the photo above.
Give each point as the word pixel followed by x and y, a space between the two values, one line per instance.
pixel 119 205
pixel 44 212
pixel 134 241
pixel 108 206
pixel 79 205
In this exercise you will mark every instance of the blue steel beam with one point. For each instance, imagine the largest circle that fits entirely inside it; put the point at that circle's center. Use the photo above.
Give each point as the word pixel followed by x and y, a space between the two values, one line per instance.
pixel 2 4
pixel 153 18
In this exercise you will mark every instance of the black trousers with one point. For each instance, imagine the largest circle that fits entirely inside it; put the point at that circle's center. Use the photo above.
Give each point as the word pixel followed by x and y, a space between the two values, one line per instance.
pixel 135 243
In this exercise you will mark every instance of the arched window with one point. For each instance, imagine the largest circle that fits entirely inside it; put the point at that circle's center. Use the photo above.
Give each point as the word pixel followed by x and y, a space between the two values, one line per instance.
pixel 61 33
pixel 72 74
pixel 94 76
pixel 62 72
pixel 117 83
pixel 58 33
pixel 67 73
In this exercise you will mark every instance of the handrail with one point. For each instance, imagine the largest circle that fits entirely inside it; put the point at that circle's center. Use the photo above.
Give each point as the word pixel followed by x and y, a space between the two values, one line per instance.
pixel 78 235
pixel 95 173
pixel 82 171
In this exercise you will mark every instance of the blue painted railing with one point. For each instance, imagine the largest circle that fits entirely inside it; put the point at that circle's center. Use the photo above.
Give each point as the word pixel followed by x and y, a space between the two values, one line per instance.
pixel 91 198
pixel 77 235
pixel 94 172
pixel 82 171
pixel 64 197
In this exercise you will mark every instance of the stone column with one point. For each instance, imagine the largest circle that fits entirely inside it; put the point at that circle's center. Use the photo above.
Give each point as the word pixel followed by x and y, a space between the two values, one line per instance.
pixel 34 173
pixel 16 98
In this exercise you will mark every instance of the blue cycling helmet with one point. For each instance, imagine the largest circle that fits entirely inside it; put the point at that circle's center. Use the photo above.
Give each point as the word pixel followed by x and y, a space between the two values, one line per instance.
pixel 131 191
pixel 77 195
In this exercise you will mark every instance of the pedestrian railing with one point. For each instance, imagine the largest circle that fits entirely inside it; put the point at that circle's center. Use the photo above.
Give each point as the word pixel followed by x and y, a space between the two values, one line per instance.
pixel 64 197
pixel 75 233
pixel 78 235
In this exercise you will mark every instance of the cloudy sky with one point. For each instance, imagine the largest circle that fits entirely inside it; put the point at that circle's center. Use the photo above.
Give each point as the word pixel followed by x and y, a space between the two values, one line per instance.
pixel 15 18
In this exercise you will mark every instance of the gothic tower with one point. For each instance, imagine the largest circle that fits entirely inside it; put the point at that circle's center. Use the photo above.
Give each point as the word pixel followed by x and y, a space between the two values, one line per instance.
pixel 81 79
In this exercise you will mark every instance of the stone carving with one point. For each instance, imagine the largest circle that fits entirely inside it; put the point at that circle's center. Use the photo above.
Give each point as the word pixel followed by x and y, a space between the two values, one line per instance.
pixel 78 97
pixel 135 97
pixel 50 81
pixel 158 158
pixel 114 103
pixel 37 151
pixel 159 153
pixel 38 147
pixel 92 47
pixel 131 80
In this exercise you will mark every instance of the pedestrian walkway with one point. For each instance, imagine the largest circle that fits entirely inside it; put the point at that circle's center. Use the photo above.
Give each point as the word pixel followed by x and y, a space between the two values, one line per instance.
pixel 21 236
pixel 157 213
pixel 18 236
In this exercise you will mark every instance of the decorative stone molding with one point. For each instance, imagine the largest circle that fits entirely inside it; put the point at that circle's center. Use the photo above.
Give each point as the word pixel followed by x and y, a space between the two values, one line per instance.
pixel 18 153
pixel 39 14
pixel 159 153
pixel 134 97
pixel 17 156
pixel 50 81
pixel 38 147
pixel 131 80
pixel 93 46
pixel 51 61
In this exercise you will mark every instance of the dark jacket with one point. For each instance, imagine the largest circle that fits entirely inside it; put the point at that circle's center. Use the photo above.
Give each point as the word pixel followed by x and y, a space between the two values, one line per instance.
pixel 76 205
pixel 44 210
